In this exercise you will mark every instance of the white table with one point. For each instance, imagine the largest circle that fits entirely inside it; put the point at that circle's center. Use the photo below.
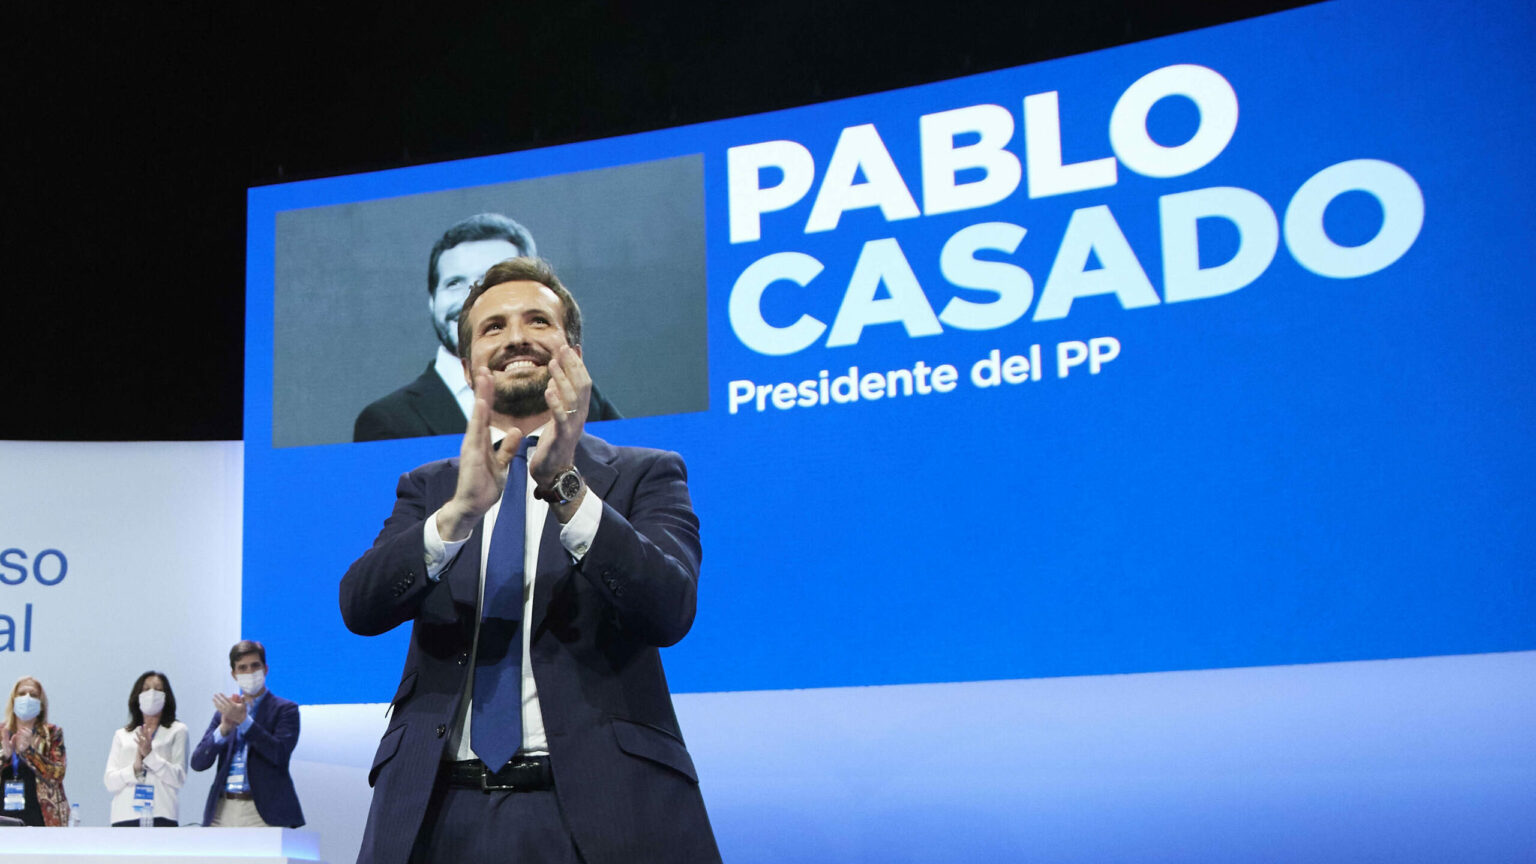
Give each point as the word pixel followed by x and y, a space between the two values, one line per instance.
pixel 183 845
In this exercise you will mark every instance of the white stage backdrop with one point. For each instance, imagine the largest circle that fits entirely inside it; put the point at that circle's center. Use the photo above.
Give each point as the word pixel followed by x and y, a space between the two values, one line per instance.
pixel 116 558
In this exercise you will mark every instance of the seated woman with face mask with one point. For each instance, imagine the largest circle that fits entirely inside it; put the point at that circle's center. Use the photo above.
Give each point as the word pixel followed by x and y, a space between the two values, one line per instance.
pixel 148 759
pixel 32 753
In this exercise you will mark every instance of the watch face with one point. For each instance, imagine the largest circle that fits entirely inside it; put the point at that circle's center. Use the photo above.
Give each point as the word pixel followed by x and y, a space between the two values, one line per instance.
pixel 568 486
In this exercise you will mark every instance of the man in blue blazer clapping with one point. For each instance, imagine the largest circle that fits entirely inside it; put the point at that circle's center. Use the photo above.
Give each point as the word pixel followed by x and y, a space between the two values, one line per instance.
pixel 251 736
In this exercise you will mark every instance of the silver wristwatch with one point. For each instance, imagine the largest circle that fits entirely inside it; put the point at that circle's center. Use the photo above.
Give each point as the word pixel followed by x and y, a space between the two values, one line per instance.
pixel 565 488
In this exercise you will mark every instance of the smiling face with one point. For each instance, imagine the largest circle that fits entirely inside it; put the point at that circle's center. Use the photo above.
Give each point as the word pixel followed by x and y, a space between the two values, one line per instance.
pixel 515 330
pixel 457 269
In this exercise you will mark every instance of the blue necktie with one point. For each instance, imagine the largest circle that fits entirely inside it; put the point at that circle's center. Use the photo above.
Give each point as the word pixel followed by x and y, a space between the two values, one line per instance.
pixel 496 726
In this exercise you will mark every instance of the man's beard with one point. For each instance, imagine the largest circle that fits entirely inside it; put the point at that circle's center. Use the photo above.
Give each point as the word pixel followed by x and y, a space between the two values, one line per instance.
pixel 448 332
pixel 522 398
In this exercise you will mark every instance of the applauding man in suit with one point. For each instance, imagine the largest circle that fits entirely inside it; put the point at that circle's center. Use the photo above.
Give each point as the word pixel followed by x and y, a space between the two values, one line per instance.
pixel 540 572
pixel 251 737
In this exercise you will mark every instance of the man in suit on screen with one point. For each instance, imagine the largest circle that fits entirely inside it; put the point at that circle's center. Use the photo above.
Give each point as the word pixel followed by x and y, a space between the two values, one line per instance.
pixel 439 400
pixel 540 571
pixel 251 737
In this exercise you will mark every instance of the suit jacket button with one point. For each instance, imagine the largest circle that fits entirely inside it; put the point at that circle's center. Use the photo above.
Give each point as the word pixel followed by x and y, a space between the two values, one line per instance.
pixel 463 658
pixel 441 730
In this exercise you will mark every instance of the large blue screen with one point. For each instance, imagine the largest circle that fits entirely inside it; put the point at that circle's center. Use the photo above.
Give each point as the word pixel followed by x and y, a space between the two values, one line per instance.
pixel 1201 352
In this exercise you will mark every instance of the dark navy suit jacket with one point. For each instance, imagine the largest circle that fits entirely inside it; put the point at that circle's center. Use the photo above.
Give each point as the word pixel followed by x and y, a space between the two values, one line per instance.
pixel 270 741
pixel 625 782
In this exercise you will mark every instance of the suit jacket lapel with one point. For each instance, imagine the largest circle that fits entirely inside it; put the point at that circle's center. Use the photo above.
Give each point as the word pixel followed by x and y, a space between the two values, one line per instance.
pixel 554 562
pixel 435 404
pixel 264 711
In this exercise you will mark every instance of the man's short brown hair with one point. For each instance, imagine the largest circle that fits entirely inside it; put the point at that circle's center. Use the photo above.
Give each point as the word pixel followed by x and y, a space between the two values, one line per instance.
pixel 519 270
pixel 244 647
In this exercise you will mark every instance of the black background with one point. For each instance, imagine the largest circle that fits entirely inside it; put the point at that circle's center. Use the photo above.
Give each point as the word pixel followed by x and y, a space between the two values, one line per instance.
pixel 134 130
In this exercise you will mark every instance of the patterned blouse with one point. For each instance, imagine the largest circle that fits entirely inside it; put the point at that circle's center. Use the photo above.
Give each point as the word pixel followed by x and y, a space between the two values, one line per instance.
pixel 47 760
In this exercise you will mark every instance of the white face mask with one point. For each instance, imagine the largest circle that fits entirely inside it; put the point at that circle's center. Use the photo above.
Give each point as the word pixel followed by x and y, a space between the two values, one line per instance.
pixel 152 702
pixel 251 682
pixel 27 707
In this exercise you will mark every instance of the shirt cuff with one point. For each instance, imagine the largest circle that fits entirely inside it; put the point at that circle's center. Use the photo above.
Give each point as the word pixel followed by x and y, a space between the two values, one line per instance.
pixel 577 535
pixel 246 724
pixel 219 737
pixel 440 552
pixel 153 762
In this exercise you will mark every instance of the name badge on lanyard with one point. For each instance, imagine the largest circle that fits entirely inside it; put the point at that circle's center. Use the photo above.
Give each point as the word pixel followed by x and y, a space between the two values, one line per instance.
pixel 15 795
pixel 144 793
pixel 236 783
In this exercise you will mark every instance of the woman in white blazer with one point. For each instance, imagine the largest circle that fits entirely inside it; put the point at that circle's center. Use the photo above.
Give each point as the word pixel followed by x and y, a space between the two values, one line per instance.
pixel 148 759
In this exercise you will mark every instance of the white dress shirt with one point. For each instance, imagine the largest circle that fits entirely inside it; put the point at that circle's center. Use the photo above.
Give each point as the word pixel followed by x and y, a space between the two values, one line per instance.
pixel 576 536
